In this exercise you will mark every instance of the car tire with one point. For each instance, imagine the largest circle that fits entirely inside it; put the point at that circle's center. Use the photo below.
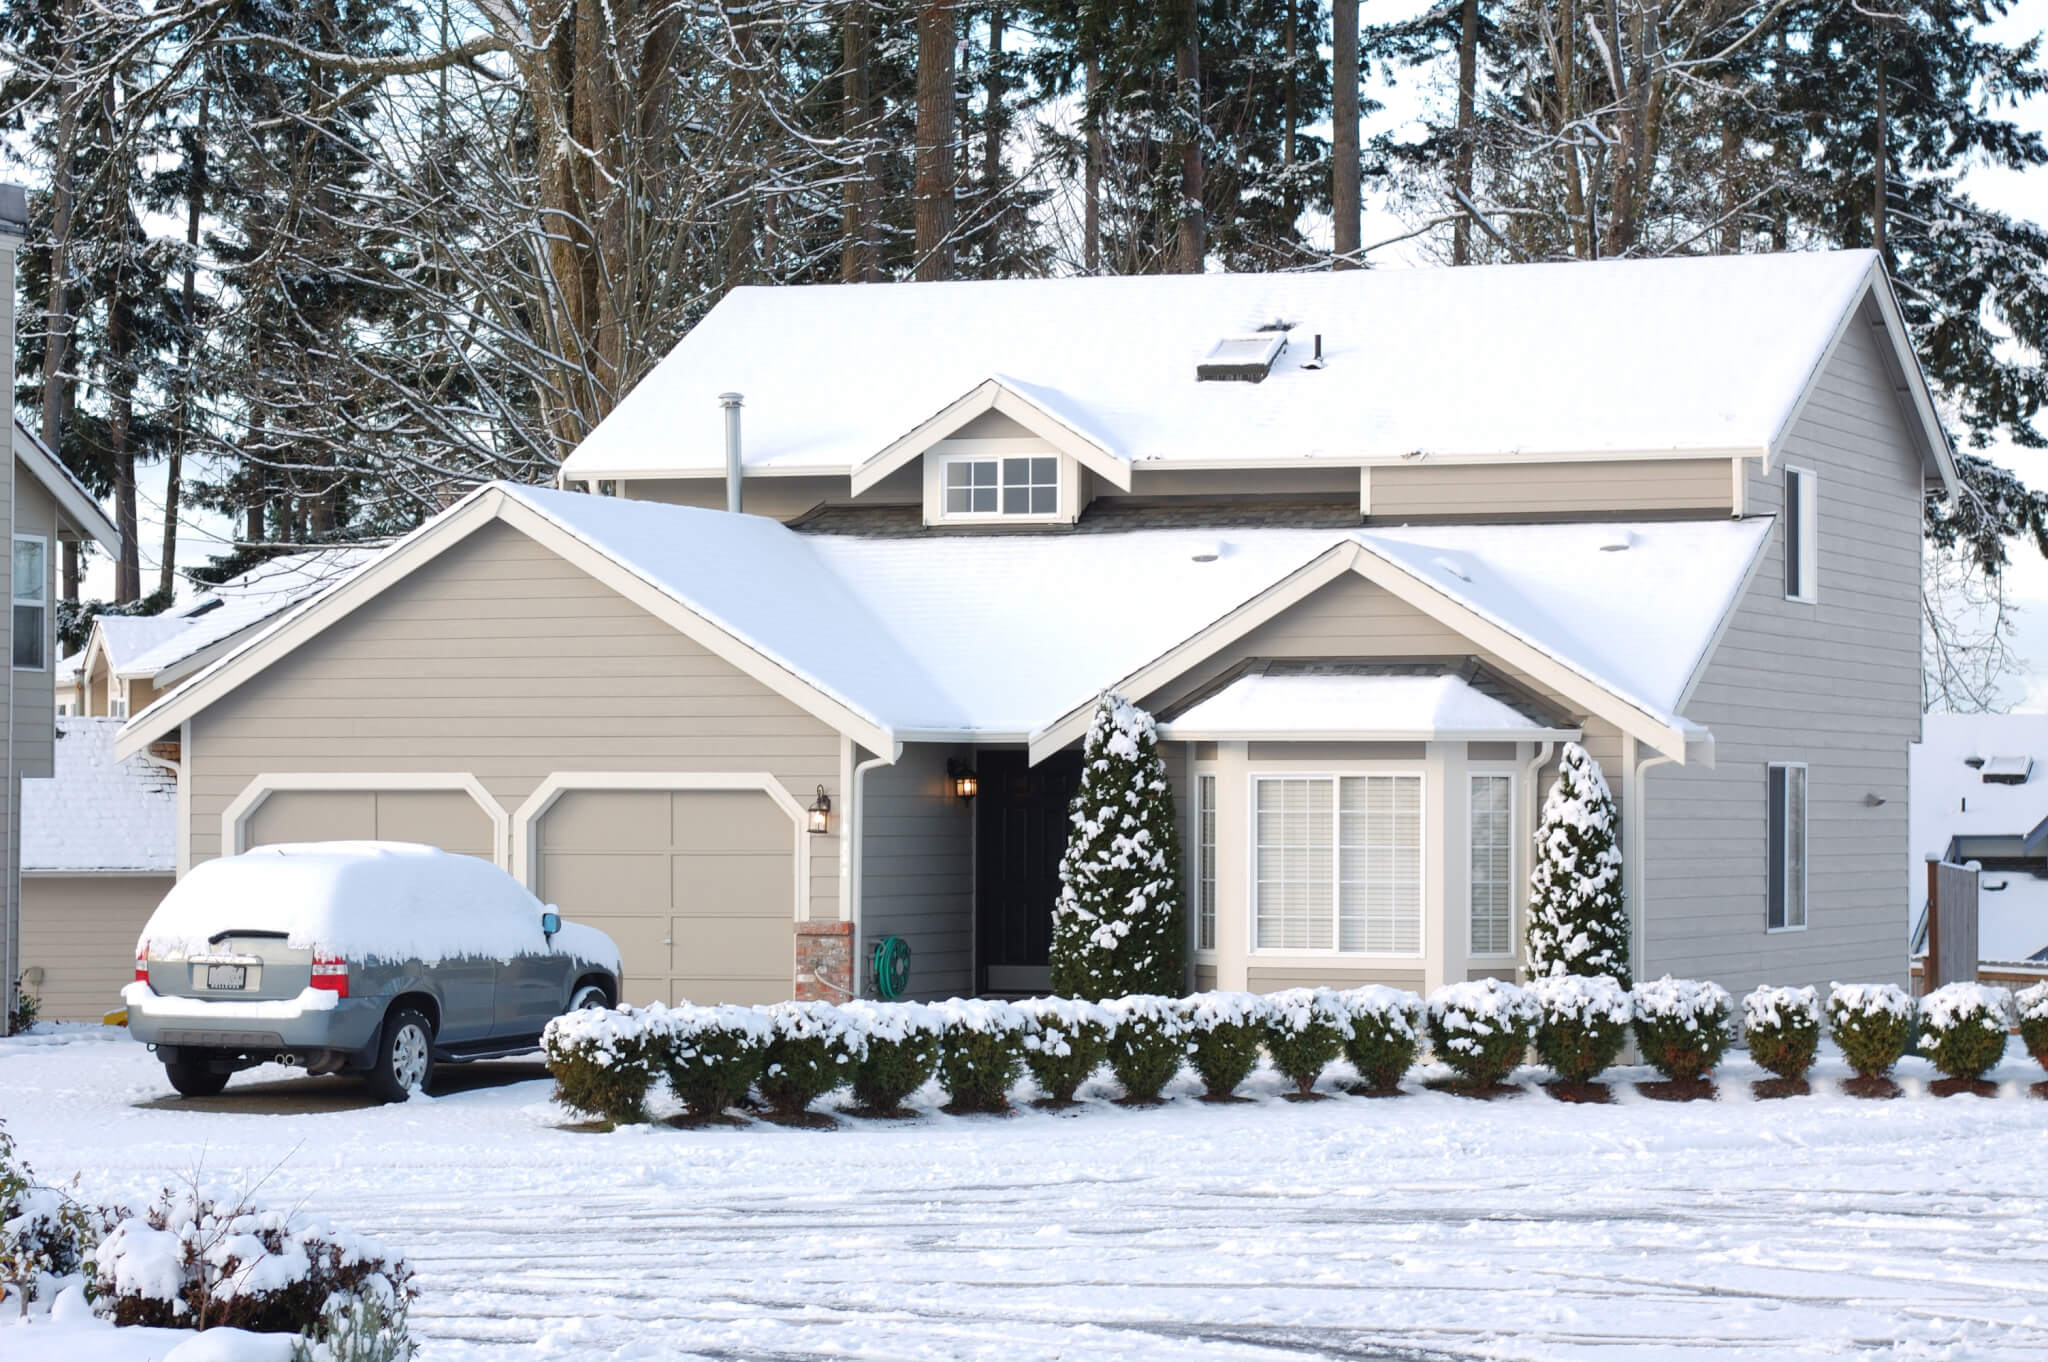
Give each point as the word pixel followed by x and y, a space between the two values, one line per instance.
pixel 589 995
pixel 405 1057
pixel 195 1079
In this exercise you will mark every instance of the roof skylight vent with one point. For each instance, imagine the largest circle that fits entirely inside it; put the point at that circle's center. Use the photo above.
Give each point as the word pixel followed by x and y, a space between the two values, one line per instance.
pixel 1617 542
pixel 1241 359
pixel 1209 550
pixel 2007 770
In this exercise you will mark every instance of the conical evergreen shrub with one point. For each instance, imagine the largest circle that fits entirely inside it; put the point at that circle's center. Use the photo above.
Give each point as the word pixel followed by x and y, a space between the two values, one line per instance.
pixel 1578 921
pixel 1119 927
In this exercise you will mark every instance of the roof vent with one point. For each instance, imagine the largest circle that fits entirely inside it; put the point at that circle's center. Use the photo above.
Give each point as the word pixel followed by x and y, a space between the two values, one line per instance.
pixel 2007 770
pixel 1451 565
pixel 1242 359
pixel 1209 551
pixel 1618 542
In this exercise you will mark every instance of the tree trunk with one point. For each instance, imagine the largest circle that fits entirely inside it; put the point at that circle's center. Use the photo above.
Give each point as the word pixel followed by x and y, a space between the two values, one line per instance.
pixel 1091 176
pixel 934 186
pixel 860 256
pixel 1344 150
pixel 996 122
pixel 1192 237
pixel 195 206
pixel 120 427
pixel 1468 90
pixel 57 315
pixel 1291 201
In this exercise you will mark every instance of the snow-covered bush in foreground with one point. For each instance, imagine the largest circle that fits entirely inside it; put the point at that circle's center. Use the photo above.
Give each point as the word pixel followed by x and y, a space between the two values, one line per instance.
pixel 1305 1029
pixel 1682 1026
pixel 1781 1027
pixel 1385 1034
pixel 1481 1028
pixel 1962 1028
pixel 1872 1023
pixel 2031 1003
pixel 604 1059
pixel 712 1055
pixel 811 1051
pixel 901 1051
pixel 1581 1025
pixel 980 1051
pixel 189 1262
pixel 1224 1031
pixel 1065 1045
pixel 1148 1045
pixel 45 1232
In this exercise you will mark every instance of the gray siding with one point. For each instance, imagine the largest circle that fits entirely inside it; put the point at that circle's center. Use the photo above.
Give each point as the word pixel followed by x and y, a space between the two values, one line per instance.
pixel 917 861
pixel 1538 491
pixel 503 660
pixel 35 702
pixel 1835 684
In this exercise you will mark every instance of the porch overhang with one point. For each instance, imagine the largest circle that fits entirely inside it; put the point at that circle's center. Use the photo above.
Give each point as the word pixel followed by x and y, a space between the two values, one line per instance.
pixel 1431 703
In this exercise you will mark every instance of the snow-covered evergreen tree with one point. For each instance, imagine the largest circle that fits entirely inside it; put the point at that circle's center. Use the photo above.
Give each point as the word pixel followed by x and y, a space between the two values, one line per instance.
pixel 1119 926
pixel 1578 921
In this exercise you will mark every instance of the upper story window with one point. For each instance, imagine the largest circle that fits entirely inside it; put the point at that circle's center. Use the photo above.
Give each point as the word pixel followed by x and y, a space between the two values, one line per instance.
pixel 31 601
pixel 995 488
pixel 1802 535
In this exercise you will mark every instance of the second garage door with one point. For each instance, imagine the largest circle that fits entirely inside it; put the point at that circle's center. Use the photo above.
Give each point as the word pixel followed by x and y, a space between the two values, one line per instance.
pixel 448 819
pixel 698 887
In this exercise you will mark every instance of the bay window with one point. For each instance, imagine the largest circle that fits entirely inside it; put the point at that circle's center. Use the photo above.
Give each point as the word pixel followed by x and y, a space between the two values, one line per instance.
pixel 1337 864
pixel 1493 864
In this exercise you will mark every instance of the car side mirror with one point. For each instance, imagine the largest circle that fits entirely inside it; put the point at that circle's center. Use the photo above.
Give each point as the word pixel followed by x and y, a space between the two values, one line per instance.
pixel 550 923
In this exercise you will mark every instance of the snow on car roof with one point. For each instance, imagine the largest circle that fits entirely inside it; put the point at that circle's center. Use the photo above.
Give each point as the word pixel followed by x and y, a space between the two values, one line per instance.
pixel 96 812
pixel 1502 360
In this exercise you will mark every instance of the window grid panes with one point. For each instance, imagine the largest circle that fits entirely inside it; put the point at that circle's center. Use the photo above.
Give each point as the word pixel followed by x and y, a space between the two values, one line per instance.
pixel 1019 486
pixel 1205 863
pixel 1492 864
pixel 1338 864
pixel 31 612
pixel 1786 852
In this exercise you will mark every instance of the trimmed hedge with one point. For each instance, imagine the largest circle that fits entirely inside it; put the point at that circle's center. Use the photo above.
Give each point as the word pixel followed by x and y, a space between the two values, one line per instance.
pixel 712 1055
pixel 2032 1005
pixel 1149 1044
pixel 900 1051
pixel 1781 1027
pixel 980 1051
pixel 1386 1026
pixel 1482 1028
pixel 1682 1026
pixel 1305 1029
pixel 810 1052
pixel 1962 1028
pixel 604 1060
pixel 1582 1023
pixel 1224 1031
pixel 1872 1024
pixel 1067 1042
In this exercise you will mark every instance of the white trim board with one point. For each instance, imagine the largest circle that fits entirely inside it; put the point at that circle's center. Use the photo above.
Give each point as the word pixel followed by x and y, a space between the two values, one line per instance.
pixel 234 819
pixel 992 394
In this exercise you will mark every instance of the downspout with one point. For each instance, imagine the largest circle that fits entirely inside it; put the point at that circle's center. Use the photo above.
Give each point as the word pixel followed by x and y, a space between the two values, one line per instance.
pixel 1636 820
pixel 731 403
pixel 856 817
pixel 1530 773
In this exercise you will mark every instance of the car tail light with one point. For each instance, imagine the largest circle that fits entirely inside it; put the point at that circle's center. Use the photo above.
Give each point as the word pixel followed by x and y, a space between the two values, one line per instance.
pixel 330 972
pixel 142 962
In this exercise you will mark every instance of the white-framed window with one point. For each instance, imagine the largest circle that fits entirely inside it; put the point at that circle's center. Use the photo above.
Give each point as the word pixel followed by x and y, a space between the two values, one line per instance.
pixel 1785 839
pixel 1205 863
pixel 117 698
pixel 1802 535
pixel 1337 864
pixel 1000 487
pixel 31 602
pixel 1491 896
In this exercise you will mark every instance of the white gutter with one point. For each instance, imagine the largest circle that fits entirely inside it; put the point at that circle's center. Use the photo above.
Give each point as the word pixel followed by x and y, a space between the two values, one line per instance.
pixel 855 818
pixel 1530 774
pixel 1635 824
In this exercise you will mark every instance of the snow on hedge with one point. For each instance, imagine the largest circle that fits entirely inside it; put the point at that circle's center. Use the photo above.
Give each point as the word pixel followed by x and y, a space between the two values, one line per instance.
pixel 1225 1007
pixel 1771 1007
pixel 1687 1002
pixel 1965 1004
pixel 991 1016
pixel 1584 998
pixel 2031 1002
pixel 1055 1021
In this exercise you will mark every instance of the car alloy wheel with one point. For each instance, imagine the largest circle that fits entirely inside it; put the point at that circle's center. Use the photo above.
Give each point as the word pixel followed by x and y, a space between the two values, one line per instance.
pixel 589 997
pixel 409 1056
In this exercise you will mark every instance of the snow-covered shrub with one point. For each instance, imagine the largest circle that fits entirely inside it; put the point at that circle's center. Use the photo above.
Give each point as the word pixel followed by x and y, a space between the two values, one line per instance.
pixel 356 1329
pixel 1119 924
pixel 45 1232
pixel 1224 1031
pixel 811 1051
pixel 1578 920
pixel 2031 1003
pixel 1305 1029
pixel 1872 1023
pixel 1148 1044
pixel 1781 1026
pixel 604 1059
pixel 1582 1023
pixel 712 1055
pixel 901 1051
pixel 1066 1043
pixel 1481 1028
pixel 1962 1028
pixel 189 1262
pixel 1386 1033
pixel 1682 1026
pixel 980 1050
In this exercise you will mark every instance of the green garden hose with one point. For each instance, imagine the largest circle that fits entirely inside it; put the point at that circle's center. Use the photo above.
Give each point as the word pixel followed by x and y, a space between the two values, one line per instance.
pixel 892 967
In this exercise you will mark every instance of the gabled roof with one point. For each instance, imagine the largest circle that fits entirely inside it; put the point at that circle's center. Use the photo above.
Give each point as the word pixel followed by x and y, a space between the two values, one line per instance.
pixel 1691 357
pixel 1037 411
pixel 1352 702
pixel 63 485
pixel 98 812
pixel 124 638
pixel 995 638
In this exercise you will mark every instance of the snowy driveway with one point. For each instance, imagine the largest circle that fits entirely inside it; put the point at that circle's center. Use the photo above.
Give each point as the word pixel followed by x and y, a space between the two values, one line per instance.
pixel 1425 1228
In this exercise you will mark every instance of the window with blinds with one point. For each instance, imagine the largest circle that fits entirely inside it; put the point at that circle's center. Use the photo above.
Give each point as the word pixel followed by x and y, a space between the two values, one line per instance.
pixel 1205 863
pixel 1493 865
pixel 1338 864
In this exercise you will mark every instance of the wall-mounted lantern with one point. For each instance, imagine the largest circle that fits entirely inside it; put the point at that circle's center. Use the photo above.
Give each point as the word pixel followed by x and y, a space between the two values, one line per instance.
pixel 965 784
pixel 821 812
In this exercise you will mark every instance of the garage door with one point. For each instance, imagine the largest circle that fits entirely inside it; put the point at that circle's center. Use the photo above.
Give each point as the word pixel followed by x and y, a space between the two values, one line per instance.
pixel 697 886
pixel 448 819
pixel 79 931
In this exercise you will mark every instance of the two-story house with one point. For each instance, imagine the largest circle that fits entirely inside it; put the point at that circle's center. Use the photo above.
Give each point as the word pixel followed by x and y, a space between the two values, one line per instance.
pixel 799 654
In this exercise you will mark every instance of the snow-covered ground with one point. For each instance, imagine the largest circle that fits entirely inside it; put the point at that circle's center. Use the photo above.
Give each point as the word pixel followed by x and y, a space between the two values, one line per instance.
pixel 1430 1227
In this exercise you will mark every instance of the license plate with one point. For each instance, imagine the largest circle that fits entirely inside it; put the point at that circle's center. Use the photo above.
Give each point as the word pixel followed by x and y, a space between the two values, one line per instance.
pixel 227 976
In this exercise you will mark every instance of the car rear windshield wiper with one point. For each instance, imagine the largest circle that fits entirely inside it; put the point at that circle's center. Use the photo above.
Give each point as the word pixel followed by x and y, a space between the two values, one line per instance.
pixel 219 937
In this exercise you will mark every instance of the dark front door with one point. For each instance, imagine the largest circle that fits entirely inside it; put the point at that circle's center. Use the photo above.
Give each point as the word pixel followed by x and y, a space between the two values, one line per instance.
pixel 1021 824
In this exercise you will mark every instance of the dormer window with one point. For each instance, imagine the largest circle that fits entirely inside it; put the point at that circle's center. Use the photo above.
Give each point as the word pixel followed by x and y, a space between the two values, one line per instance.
pixel 1000 488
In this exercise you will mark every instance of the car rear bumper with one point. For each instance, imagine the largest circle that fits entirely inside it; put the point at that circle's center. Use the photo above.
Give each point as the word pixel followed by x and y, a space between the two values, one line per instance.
pixel 316 1022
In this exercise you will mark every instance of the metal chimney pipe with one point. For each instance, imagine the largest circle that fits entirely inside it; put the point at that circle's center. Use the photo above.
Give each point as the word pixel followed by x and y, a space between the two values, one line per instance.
pixel 731 403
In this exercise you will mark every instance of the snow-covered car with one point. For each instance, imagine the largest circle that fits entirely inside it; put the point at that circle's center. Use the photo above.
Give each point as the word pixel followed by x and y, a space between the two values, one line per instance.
pixel 378 958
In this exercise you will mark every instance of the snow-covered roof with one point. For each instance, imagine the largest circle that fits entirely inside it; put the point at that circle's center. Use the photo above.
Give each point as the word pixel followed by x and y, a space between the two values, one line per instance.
pixel 63 484
pixel 1496 361
pixel 1350 705
pixel 125 638
pixel 155 644
pixel 2012 916
pixel 1951 798
pixel 97 812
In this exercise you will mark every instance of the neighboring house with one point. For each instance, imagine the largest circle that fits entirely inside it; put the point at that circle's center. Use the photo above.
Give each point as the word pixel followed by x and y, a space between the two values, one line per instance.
pixel 1980 793
pixel 99 848
pixel 1369 570
pixel 43 506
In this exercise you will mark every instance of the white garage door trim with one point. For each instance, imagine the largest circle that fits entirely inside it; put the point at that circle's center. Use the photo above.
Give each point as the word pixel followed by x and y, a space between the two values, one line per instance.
pixel 526 820
pixel 234 820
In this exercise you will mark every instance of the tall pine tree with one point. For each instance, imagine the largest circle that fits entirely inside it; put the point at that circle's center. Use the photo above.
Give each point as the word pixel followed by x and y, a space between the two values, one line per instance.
pixel 1120 925
pixel 1578 920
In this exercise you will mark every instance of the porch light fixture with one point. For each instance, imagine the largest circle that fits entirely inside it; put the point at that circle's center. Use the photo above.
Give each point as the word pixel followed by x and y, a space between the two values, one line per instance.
pixel 965 784
pixel 821 812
